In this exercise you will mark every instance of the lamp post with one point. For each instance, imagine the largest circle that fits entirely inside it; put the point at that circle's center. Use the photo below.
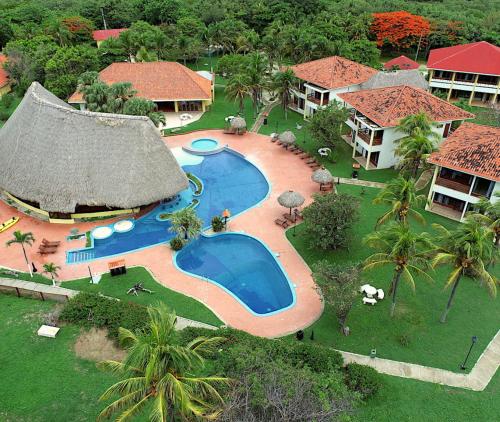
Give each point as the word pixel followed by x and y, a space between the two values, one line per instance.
pixel 226 214
pixel 474 341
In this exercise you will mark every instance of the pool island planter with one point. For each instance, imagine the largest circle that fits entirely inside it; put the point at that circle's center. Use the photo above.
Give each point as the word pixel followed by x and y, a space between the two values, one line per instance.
pixel 272 256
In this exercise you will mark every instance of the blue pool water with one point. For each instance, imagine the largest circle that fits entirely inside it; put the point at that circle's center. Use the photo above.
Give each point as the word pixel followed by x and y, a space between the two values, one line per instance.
pixel 230 181
pixel 204 144
pixel 243 266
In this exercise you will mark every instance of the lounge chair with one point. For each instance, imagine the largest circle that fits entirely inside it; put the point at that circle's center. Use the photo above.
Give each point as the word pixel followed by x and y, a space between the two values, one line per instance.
pixel 282 223
pixel 326 187
pixel 293 148
pixel 311 160
pixel 369 300
pixel 291 218
pixel 380 294
pixel 297 214
pixel 46 242
pixel 314 166
pixel 298 151
pixel 305 156
pixel 363 287
pixel 47 250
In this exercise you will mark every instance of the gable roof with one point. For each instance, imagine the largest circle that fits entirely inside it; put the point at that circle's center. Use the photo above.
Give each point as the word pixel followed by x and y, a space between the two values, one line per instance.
pixel 478 57
pixel 4 76
pixel 156 81
pixel 93 159
pixel 387 106
pixel 394 78
pixel 333 72
pixel 104 34
pixel 403 62
pixel 472 148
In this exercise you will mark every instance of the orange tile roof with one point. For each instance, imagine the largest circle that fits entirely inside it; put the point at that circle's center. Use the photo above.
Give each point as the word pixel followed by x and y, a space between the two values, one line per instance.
pixel 387 106
pixel 104 34
pixel 156 81
pixel 472 148
pixel 4 77
pixel 333 72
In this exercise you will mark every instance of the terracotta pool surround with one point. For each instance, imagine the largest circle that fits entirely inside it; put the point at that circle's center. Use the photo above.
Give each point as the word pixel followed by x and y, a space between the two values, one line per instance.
pixel 283 170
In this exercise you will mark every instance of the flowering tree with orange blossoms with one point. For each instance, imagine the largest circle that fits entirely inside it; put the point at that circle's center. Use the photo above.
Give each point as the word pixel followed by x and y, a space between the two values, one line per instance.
pixel 400 29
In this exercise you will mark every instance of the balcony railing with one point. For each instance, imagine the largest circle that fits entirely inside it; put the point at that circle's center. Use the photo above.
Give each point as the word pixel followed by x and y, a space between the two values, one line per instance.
pixel 452 184
pixel 377 140
pixel 315 100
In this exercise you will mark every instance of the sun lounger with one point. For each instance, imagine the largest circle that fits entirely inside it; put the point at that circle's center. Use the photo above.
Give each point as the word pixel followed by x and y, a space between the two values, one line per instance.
pixel 282 223
pixel 380 294
pixel 297 214
pixel 298 151
pixel 47 250
pixel 50 243
pixel 363 287
pixel 314 166
pixel 368 300
pixel 311 160
pixel 292 148
pixel 291 218
pixel 305 156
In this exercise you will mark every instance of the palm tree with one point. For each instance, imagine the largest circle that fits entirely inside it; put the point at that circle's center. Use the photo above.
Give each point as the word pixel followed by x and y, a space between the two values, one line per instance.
pixel 159 373
pixel 87 78
pixel 256 72
pixel 119 94
pixel 401 195
pixel 416 123
pixel 414 151
pixel 399 247
pixel 489 214
pixel 237 88
pixel 96 96
pixel 51 268
pixel 23 239
pixel 282 85
pixel 186 223
pixel 467 249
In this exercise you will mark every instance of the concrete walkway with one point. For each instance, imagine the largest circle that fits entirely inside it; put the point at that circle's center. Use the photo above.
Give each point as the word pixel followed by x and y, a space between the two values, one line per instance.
pixel 358 182
pixel 477 380
pixel 43 290
pixel 424 179
pixel 260 118
pixel 184 323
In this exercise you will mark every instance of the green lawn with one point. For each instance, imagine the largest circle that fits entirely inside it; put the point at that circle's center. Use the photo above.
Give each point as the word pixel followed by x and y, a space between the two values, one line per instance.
pixel 342 154
pixel 118 286
pixel 417 315
pixel 41 378
pixel 484 116
pixel 214 118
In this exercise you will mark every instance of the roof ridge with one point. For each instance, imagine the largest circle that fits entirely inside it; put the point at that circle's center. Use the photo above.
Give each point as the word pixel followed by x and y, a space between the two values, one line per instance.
pixel 389 112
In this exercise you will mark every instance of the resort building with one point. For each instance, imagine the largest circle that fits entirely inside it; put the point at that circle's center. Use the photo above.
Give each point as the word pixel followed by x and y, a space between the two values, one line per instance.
pixel 467 168
pixel 320 82
pixel 103 34
pixel 469 71
pixel 376 113
pixel 62 164
pixel 172 86
pixel 401 63
pixel 4 77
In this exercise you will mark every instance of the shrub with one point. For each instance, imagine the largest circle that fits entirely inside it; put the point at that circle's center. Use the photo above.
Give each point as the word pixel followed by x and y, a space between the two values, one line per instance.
pixel 404 340
pixel 90 309
pixel 362 379
pixel 176 244
pixel 217 224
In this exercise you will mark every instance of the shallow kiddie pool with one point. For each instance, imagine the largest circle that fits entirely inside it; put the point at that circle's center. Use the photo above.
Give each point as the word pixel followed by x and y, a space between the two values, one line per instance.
pixel 204 144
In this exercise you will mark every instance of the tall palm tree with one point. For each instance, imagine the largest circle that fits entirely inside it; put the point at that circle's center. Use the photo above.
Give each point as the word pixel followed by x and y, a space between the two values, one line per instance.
pixel 237 89
pixel 96 97
pixel 23 239
pixel 413 152
pixel 160 373
pixel 282 84
pixel 407 251
pixel 416 123
pixel 256 72
pixel 51 268
pixel 119 94
pixel 467 249
pixel 401 195
pixel 488 213
pixel 186 223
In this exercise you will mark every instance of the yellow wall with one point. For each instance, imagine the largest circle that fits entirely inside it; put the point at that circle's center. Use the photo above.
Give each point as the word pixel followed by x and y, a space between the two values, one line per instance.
pixel 104 213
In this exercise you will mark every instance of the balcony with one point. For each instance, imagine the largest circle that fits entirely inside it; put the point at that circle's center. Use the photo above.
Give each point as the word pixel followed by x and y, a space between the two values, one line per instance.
pixel 453 184
pixel 315 100
pixel 377 140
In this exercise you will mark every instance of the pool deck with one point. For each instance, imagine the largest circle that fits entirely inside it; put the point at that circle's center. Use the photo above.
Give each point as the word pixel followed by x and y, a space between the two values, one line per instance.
pixel 284 171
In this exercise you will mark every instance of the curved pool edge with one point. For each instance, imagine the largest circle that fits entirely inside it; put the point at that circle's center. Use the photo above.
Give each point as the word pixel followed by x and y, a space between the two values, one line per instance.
pixel 291 285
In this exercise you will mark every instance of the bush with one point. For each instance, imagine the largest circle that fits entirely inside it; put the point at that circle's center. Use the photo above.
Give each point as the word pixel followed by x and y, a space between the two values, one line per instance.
pixel 363 379
pixel 90 309
pixel 217 224
pixel 176 244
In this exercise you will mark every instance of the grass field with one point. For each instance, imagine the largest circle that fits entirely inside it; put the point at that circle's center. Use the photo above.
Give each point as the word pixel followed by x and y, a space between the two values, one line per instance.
pixel 485 116
pixel 417 314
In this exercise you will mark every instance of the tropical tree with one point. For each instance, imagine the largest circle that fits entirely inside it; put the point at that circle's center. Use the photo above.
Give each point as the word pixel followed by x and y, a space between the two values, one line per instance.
pixel 96 96
pixel 237 89
pixel 159 373
pixel 416 123
pixel 406 251
pixel 401 195
pixel 186 224
pixel 23 239
pixel 143 107
pixel 119 94
pixel 467 250
pixel 413 152
pixel 257 81
pixel 282 84
pixel 488 213
pixel 325 125
pixel 51 269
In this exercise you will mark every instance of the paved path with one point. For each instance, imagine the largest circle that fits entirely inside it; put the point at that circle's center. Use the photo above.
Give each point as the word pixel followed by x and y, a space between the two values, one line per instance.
pixel 184 322
pixel 476 380
pixel 41 289
pixel 424 179
pixel 260 118
pixel 358 182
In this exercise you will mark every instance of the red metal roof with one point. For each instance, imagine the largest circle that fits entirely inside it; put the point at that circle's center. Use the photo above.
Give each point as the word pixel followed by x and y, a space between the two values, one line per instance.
pixel 156 81
pixel 4 77
pixel 478 57
pixel 104 34
pixel 474 149
pixel 403 62
pixel 333 72
pixel 387 106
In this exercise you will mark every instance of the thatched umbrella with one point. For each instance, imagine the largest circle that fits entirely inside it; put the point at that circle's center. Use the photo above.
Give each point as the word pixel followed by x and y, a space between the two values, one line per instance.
pixel 291 199
pixel 238 123
pixel 287 138
pixel 322 176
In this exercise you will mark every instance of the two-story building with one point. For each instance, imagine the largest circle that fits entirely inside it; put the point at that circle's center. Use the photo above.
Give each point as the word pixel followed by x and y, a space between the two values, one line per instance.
pixel 376 113
pixel 4 77
pixel 320 82
pixel 469 71
pixel 467 168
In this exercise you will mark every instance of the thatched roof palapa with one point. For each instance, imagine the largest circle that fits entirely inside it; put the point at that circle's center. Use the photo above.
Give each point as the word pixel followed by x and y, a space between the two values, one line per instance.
pixel 394 78
pixel 290 199
pixel 60 157
pixel 238 123
pixel 322 176
pixel 287 137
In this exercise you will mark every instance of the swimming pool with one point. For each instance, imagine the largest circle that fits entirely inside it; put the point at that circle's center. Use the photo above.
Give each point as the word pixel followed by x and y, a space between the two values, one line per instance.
pixel 230 181
pixel 243 266
pixel 204 144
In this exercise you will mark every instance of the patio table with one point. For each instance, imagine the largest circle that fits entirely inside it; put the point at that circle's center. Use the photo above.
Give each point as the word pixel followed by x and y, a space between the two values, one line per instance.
pixel 370 291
